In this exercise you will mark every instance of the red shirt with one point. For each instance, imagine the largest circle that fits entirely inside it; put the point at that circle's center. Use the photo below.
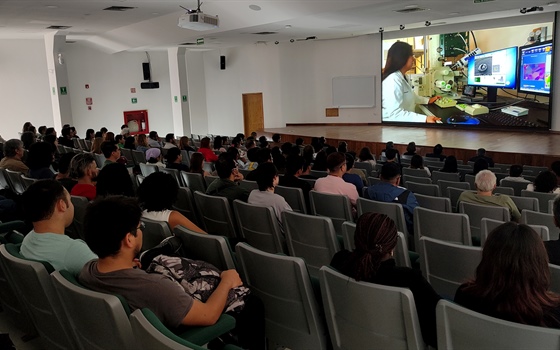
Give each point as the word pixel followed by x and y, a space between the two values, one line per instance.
pixel 84 190
pixel 208 154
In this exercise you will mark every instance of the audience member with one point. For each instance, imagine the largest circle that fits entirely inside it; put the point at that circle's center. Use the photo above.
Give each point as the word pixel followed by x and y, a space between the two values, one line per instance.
pixel 175 160
pixel 142 143
pixel 485 182
pixel 545 182
pixel 157 194
pixel 119 140
pixel 111 152
pixel 184 144
pixel 450 165
pixel 65 139
pixel 333 182
pixel 481 154
pixel 372 261
pixel 153 156
pixel 263 155
pixel 354 176
pixel 218 144
pixel 366 156
pixel 63 175
pixel 320 162
pixel 437 152
pixel 417 162
pixel 515 172
pixel 130 143
pixel 342 147
pixel 204 148
pixel 170 141
pixel 252 163
pixel 153 140
pixel 295 167
pixel 28 138
pixel 276 141
pixel 90 135
pixel 96 145
pixel 26 127
pixel 197 164
pixel 278 159
pixel 512 281
pixel 42 132
pixel 13 153
pixel 226 186
pixel 265 196
pixel 39 160
pixel 479 165
pixel 391 146
pixel 308 154
pixel 48 206
pixel 114 179
pixel 410 149
pixel 84 168
pixel 389 191
pixel 109 137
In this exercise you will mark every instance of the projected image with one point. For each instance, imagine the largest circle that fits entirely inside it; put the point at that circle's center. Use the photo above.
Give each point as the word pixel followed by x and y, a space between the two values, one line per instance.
pixel 483 66
pixel 534 71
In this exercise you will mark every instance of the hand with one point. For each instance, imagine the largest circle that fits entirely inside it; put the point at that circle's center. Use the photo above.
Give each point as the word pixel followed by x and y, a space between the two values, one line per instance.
pixel 432 119
pixel 231 278
pixel 434 99
pixel 237 176
pixel 136 264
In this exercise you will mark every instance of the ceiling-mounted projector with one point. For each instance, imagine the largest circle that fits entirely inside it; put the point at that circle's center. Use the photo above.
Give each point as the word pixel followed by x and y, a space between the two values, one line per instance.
pixel 198 21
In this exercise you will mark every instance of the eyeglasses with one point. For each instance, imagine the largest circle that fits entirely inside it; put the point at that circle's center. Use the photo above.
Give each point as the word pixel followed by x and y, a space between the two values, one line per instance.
pixel 141 227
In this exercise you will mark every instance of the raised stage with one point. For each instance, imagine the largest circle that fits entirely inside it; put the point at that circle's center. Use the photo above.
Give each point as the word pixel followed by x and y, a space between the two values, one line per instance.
pixel 509 147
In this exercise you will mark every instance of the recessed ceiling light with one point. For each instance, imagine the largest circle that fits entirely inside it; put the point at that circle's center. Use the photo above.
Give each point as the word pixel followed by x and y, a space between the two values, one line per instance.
pixel 288 26
pixel 51 6
pixel 453 13
pixel 410 6
pixel 255 7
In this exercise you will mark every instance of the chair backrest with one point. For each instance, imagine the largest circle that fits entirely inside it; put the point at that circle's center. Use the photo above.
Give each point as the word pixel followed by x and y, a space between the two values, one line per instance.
pixel 27 181
pixel 259 226
pixel 99 160
pixel 139 157
pixel 127 153
pixel 554 278
pixel 461 328
pixel 469 178
pixel 184 204
pixel 446 265
pixel 210 248
pixel 310 237
pixel 292 314
pixel 215 215
pixel 425 189
pixel 442 204
pixel 439 175
pixel 194 181
pixel 529 203
pixel 175 174
pixel 530 217
pixel 185 158
pixel 14 177
pixel 488 225
pixel 335 206
pixel 358 312
pixel 209 179
pixel 249 185
pixel 477 212
pixel 373 180
pixel 318 173
pixel 449 227
pixel 415 172
pixel 367 166
pixel 311 182
pixel 535 169
pixel 154 233
pixel 453 194
pixel 542 197
pixel 77 227
pixel 516 185
pixel 106 328
pixel 31 280
pixel 416 179
pixel 294 197
pixel 147 169
pixel 504 190
pixel 443 185
pixel 551 206
pixel 4 182
pixel 393 210
pixel 82 144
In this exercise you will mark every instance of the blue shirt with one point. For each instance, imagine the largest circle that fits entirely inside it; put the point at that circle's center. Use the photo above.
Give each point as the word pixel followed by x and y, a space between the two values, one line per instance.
pixel 386 192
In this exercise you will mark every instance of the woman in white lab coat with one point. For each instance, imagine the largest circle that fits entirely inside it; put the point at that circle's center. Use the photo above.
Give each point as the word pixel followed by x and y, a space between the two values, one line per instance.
pixel 399 99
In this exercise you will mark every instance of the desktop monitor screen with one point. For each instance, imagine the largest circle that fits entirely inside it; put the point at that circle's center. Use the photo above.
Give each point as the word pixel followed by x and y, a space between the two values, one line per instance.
pixel 496 69
pixel 535 67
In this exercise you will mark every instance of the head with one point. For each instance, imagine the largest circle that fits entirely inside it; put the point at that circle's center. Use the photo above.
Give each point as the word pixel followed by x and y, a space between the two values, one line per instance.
pixel 515 170
pixel 153 155
pixel 50 131
pixel 294 165
pixel 485 181
pixel 83 166
pixel 28 138
pixel 240 136
pixel 264 155
pixel 365 154
pixel 170 138
pixel 109 136
pixel 129 142
pixel 42 130
pixel 417 162
pixel 343 147
pixel 391 155
pixel 375 239
pixel 299 141
pixel 41 155
pixel 336 163
pixel 110 150
pixel 13 148
pixel 479 165
pixel 205 142
pixel 249 144
pixel 349 161
pixel 217 142
pixel 47 200
pixel 399 56
pixel 103 131
pixel 320 162
pixel 50 138
pixel 90 134
pixel 64 163
pixel 123 233
pixel 119 139
pixel 65 132
pixel 411 147
pixel 99 134
pixel 390 172
pixel 254 135
pixel 158 192
pixel 114 179
pixel 546 182
pixel 174 155
pixel 288 148
pixel 154 135
pixel 142 140
pixel 96 145
pixel 26 126
pixel 197 161
pixel 481 152
pixel 184 142
pixel 438 149
pixel 268 177
pixel 125 131
pixel 276 138
pixel 225 166
pixel 450 164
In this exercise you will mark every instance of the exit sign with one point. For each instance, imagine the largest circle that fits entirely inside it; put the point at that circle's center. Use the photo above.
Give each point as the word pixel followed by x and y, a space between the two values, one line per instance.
pixel 200 41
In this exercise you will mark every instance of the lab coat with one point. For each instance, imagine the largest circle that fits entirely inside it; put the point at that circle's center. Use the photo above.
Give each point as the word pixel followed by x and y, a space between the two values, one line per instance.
pixel 399 100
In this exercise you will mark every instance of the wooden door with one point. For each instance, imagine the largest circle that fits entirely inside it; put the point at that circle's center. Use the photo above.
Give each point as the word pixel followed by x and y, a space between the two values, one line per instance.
pixel 253 113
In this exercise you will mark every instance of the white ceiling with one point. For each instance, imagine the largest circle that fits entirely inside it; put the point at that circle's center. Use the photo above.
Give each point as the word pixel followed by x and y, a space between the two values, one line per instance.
pixel 152 25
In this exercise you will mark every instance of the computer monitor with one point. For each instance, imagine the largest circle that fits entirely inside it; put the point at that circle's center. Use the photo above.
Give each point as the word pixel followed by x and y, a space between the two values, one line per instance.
pixel 493 70
pixel 535 68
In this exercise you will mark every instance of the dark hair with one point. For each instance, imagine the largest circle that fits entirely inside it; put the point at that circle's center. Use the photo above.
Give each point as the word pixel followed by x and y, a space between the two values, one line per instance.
pixel 153 135
pixel 118 138
pixel 320 162
pixel 158 192
pixel 389 171
pixel 26 126
pixel 88 134
pixel 555 167
pixel 110 136
pixel 11 147
pixel 397 57
pixel 450 165
pixel 330 150
pixel 287 148
pixel 172 154
pixel 481 152
pixel 42 128
pixel 278 159
pixel 108 147
pixel 556 210
pixel 252 154
pixel 438 149
pixel 197 162
pixel 411 147
pixel 349 161
pixel 235 142
pixel 123 213
pixel 169 137
pixel 129 143
pixel 391 153
pixel 299 141
pixel 293 164
pixel 50 131
pixel 217 142
pixel 184 143
pixel 39 200
pixel 515 170
pixel 64 162
pixel 249 143
pixel 225 165
pixel 513 275
pixel 98 134
pixel 40 155
pixel 233 152
pixel 264 155
pixel 28 138
pixel 479 164
pixel 308 154
pixel 276 137
pixel 417 162
pixel 375 237
pixel 205 142
pixel 335 161
pixel 65 132
pixel 240 136
pixel 545 182
pixel 266 174
pixel 365 154
pixel 49 138
pixel 103 130
pixel 114 179
pixel 79 164
pixel 343 147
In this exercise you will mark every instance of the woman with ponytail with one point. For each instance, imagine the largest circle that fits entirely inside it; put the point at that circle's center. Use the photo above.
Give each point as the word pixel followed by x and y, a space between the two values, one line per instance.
pixel 372 261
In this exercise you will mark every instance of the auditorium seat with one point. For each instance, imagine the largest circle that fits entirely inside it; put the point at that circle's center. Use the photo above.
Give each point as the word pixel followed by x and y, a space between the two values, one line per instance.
pixel 294 197
pixel 215 215
pixel 442 204
pixel 153 233
pixel 335 206
pixel 393 210
pixel 542 197
pixel 488 225
pixel 194 181
pixel 528 203
pixel 530 217
pixel 425 189
pixel 259 226
pixel 147 169
pixel 449 227
pixel 477 212
pixel 184 204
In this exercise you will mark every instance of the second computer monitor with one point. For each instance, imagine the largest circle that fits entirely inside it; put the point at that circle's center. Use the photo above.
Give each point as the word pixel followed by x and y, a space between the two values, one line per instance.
pixel 535 68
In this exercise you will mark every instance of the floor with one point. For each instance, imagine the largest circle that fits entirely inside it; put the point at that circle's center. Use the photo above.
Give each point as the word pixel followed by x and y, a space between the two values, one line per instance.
pixel 16 334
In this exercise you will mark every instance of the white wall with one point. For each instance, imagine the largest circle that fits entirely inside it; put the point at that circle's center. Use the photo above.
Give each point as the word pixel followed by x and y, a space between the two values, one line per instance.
pixel 24 86
pixel 110 78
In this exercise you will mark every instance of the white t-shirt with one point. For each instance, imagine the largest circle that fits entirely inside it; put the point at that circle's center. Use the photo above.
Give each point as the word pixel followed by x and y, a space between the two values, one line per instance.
pixel 157 215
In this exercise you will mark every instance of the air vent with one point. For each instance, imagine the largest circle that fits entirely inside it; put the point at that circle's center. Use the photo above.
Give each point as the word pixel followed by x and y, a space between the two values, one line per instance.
pixel 265 33
pixel 188 44
pixel 118 8
pixel 59 27
pixel 410 10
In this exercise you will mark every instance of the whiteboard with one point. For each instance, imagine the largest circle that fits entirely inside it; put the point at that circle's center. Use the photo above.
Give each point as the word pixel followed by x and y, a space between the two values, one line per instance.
pixel 353 92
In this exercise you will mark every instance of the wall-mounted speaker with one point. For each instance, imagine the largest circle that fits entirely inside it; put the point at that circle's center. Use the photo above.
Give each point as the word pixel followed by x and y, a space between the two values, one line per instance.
pixel 146 71
pixel 222 62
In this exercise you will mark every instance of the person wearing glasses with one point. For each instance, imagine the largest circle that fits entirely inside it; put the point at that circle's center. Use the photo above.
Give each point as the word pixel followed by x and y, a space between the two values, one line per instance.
pixel 48 206
pixel 399 100
pixel 333 183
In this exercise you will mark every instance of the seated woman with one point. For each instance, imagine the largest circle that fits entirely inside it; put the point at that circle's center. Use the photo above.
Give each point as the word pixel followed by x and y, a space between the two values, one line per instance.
pixel 267 180
pixel 157 193
pixel 175 160
pixel 204 148
pixel 197 164
pixel 142 143
pixel 129 143
pixel 39 160
pixel 114 180
pixel 372 261
pixel 545 182
pixel 512 280
pixel 450 165
pixel 153 156
pixel 417 162
pixel 366 156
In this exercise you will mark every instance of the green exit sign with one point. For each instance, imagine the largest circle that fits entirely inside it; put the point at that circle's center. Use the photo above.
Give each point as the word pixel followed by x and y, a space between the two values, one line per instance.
pixel 134 100
pixel 200 41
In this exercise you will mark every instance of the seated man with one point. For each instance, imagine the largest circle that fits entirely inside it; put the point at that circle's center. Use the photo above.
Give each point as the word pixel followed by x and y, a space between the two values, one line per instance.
pixel 111 152
pixel 333 183
pixel 515 174
pixel 295 167
pixel 481 154
pixel 48 206
pixel 485 182
pixel 354 176
pixel 13 153
pixel 389 191
pixel 118 244
pixel 84 168
pixel 553 246
pixel 226 185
